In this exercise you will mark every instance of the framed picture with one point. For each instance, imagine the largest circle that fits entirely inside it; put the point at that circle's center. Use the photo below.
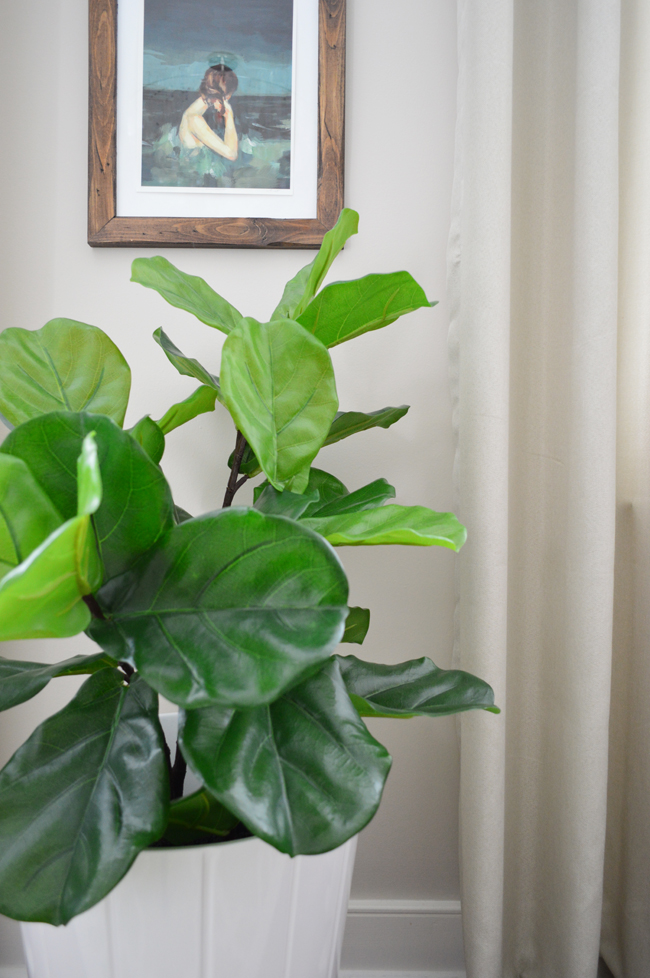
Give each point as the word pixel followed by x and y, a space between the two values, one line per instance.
pixel 215 123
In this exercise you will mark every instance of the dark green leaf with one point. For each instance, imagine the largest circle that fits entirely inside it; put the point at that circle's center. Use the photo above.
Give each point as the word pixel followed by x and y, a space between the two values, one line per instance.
pixel 249 465
pixel 137 505
pixel 200 402
pixel 184 291
pixel 356 625
pixel 27 515
pixel 187 366
pixel 414 688
pixel 150 437
pixel 303 287
pixel 290 504
pixel 344 310
pixel 278 384
pixel 368 497
pixel 348 423
pixel 199 818
pixel 65 365
pixel 19 681
pixel 232 608
pixel 327 486
pixel 413 525
pixel 80 799
pixel 181 515
pixel 303 773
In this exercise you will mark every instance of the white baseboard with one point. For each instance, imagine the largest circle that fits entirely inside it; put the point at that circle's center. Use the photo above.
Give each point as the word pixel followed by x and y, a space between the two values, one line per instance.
pixel 403 938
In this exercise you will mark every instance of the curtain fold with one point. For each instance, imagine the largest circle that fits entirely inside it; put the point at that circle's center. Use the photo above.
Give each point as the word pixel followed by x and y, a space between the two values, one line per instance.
pixel 544 186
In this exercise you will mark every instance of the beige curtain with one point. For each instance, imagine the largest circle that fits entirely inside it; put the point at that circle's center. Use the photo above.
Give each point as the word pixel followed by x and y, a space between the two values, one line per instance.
pixel 549 274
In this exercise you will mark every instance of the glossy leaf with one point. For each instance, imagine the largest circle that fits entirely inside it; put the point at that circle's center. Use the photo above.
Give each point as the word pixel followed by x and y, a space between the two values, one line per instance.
pixel 137 506
pixel 300 290
pixel 356 625
pixel 368 497
pixel 278 384
pixel 65 365
pixel 290 504
pixel 201 401
pixel 89 480
pixel 344 310
pixel 198 818
pixel 27 515
pixel 185 291
pixel 150 437
pixel 303 773
pixel 19 681
pixel 414 688
pixel 80 799
pixel 187 366
pixel 348 423
pixel 327 486
pixel 231 608
pixel 412 525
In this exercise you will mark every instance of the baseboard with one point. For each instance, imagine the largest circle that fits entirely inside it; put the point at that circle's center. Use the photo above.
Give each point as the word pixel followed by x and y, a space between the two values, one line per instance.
pixel 403 938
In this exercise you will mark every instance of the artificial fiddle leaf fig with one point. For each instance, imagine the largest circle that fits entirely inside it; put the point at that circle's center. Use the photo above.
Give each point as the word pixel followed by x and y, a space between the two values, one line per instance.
pixel 412 525
pixel 185 291
pixel 198 818
pixel 414 688
pixel 27 515
pixel 344 310
pixel 19 681
pixel 201 401
pixel 137 507
pixel 150 437
pixel 348 423
pixel 322 488
pixel 302 773
pixel 368 497
pixel 65 365
pixel 301 289
pixel 42 597
pixel 185 365
pixel 356 625
pixel 231 608
pixel 80 799
pixel 278 384
pixel 291 504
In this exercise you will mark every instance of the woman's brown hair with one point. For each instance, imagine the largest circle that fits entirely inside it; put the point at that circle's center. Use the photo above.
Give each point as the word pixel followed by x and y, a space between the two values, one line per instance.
pixel 218 82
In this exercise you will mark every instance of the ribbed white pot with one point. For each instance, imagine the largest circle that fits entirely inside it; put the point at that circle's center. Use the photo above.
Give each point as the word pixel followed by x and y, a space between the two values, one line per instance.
pixel 233 910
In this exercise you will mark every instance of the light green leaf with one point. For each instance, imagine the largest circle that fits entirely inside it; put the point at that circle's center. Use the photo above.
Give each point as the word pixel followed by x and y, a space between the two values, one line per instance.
pixel 19 681
pixel 232 608
pixel 344 310
pixel 303 287
pixel 413 525
pixel 187 292
pixel 198 818
pixel 80 799
pixel 278 384
pixel 27 514
pixel 187 366
pixel 356 625
pixel 89 480
pixel 65 365
pixel 150 437
pixel 303 773
pixel 348 423
pixel 414 688
pixel 201 401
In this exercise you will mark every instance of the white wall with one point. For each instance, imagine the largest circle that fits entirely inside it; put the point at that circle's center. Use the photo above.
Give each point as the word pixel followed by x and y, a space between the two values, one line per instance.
pixel 399 148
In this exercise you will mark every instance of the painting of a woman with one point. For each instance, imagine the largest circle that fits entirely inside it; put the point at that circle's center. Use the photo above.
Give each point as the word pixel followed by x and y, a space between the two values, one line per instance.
pixel 219 83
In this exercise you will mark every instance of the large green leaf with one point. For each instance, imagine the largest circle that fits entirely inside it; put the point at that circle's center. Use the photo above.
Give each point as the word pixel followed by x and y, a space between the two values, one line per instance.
pixel 322 488
pixel 348 423
pixel 356 625
pixel 187 366
pixel 300 290
pixel 65 365
pixel 344 310
pixel 19 681
pixel 137 507
pixel 185 291
pixel 150 437
pixel 232 608
pixel 290 504
pixel 413 525
pixel 198 818
pixel 278 384
pixel 27 515
pixel 201 401
pixel 80 799
pixel 368 497
pixel 303 773
pixel 414 688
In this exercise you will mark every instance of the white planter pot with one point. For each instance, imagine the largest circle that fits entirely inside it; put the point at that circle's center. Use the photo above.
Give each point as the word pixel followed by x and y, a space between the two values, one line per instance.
pixel 233 910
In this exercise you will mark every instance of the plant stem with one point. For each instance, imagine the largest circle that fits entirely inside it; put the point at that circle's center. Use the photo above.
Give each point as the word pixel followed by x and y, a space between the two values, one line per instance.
pixel 95 610
pixel 235 483
pixel 177 777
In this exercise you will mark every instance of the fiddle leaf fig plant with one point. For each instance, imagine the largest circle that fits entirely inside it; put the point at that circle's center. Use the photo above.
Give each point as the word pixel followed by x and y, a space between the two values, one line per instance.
pixel 235 615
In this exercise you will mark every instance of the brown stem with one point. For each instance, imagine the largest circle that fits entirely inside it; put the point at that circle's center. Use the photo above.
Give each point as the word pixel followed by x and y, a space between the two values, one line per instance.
pixel 94 608
pixel 177 778
pixel 234 483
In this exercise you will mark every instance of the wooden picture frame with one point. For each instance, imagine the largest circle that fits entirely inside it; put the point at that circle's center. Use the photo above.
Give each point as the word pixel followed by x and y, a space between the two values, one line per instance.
pixel 106 229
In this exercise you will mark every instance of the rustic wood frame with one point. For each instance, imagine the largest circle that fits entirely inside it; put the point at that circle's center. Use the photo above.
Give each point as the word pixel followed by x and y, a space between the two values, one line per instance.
pixel 107 230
